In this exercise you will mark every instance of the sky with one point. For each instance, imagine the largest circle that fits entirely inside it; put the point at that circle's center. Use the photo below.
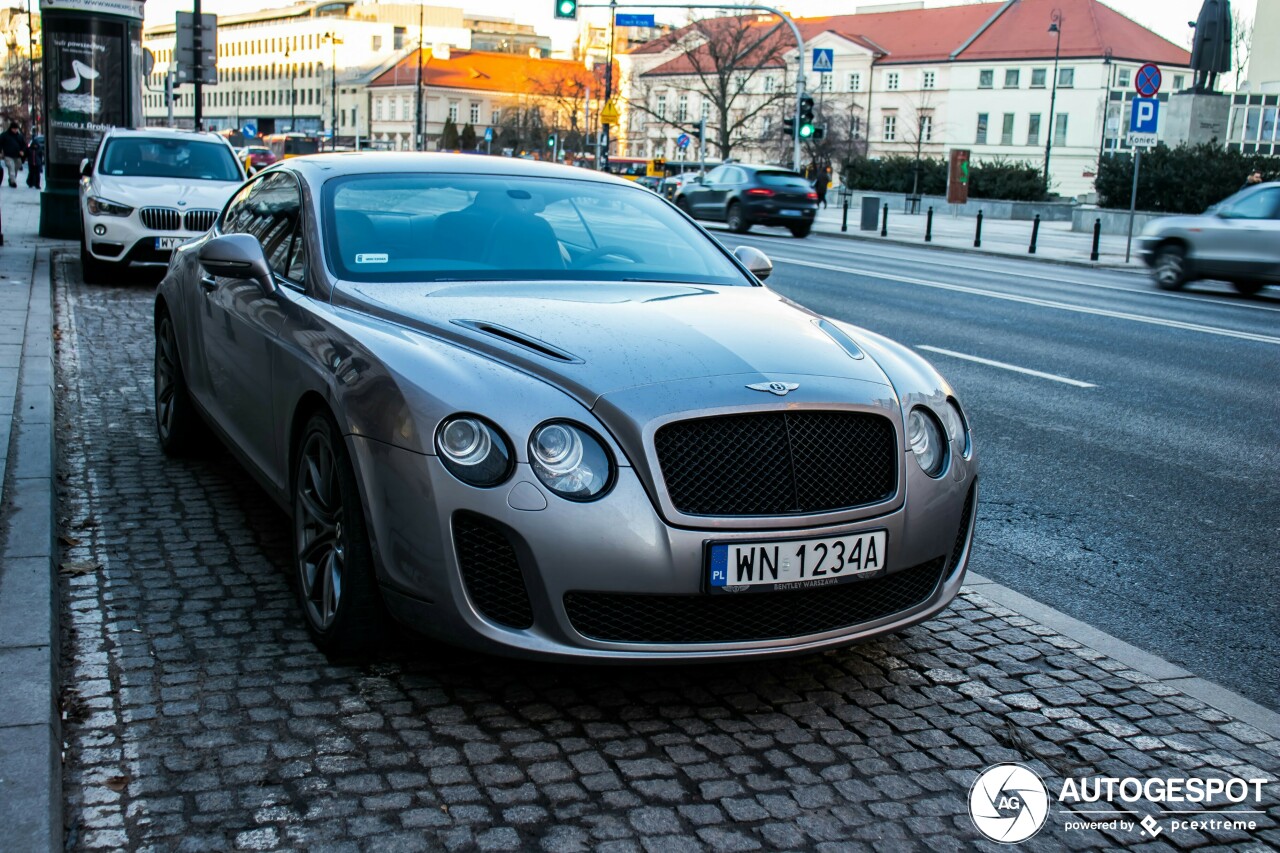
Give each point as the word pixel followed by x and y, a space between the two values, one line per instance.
pixel 1166 17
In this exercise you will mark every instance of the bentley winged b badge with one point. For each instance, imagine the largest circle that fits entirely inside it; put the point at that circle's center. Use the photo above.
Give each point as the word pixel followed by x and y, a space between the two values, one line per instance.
pixel 779 388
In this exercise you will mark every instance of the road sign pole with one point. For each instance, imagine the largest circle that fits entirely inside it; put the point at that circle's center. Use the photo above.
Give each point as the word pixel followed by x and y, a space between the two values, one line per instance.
pixel 1133 201
pixel 198 44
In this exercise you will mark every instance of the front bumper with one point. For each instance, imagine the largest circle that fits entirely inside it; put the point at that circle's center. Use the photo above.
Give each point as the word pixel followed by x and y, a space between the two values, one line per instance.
pixel 618 546
pixel 774 212
pixel 125 239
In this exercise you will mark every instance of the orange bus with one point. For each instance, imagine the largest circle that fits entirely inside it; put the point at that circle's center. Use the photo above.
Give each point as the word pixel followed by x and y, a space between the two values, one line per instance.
pixel 286 145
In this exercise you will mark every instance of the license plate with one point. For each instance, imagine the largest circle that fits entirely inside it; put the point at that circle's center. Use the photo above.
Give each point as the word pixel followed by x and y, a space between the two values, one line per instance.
pixel 794 563
pixel 790 213
pixel 169 242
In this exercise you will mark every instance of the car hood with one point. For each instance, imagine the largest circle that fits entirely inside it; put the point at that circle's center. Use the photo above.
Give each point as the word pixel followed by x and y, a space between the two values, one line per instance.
pixel 164 192
pixel 592 339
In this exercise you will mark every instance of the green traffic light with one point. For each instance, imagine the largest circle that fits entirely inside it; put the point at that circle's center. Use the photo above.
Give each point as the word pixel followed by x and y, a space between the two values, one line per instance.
pixel 567 8
pixel 806 130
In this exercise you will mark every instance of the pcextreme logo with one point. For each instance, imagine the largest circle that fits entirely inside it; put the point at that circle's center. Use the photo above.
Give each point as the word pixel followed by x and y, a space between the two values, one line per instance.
pixel 1009 803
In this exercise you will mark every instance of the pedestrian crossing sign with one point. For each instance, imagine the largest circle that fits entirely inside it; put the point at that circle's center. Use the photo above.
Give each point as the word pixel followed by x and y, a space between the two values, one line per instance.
pixel 823 58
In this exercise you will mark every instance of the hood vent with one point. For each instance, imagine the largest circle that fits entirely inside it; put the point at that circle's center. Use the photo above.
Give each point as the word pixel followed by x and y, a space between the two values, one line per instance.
pixel 520 339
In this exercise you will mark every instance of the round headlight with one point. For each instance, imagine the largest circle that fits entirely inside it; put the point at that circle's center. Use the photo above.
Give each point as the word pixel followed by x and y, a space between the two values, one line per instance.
pixel 473 451
pixel 924 434
pixel 570 461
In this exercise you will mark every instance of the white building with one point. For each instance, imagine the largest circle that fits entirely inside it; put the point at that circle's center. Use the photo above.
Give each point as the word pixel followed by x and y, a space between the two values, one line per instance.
pixel 978 76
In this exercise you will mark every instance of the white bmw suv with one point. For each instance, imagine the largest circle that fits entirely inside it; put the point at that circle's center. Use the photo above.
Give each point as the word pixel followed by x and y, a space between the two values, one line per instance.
pixel 146 191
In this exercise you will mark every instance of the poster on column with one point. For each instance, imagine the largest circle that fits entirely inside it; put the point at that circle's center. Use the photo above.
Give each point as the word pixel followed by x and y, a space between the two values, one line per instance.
pixel 84 70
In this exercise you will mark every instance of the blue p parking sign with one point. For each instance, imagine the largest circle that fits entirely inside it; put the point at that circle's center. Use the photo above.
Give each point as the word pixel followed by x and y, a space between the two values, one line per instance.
pixel 1145 117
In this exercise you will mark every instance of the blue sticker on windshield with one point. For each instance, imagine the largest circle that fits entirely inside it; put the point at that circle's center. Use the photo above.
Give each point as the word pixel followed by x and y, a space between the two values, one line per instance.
pixel 371 258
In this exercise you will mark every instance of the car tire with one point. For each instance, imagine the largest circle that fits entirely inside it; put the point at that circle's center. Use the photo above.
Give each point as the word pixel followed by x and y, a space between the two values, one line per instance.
pixel 179 427
pixel 1248 288
pixel 95 271
pixel 333 561
pixel 734 218
pixel 801 231
pixel 1169 267
pixel 683 204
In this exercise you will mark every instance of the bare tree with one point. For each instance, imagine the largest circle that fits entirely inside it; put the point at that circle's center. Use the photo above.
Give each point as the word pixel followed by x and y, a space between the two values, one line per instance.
pixel 1241 44
pixel 722 58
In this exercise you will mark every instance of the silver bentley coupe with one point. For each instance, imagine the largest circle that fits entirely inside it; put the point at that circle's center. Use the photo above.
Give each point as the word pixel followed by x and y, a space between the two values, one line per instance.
pixel 537 410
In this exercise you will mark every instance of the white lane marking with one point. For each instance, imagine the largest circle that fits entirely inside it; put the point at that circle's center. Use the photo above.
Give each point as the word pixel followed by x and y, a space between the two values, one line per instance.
pixel 1053 279
pixel 1006 366
pixel 1043 303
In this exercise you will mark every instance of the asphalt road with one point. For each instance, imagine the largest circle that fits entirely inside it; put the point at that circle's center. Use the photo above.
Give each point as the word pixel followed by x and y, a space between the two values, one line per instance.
pixel 1135 485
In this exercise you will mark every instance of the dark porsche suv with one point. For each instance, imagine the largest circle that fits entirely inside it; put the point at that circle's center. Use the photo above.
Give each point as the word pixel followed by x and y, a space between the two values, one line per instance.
pixel 741 195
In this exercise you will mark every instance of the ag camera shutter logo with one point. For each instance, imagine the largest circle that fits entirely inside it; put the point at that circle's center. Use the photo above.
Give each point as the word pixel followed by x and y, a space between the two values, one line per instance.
pixel 1008 803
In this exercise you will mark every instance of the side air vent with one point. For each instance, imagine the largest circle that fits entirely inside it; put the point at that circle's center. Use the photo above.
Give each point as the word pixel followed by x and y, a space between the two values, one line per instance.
pixel 520 339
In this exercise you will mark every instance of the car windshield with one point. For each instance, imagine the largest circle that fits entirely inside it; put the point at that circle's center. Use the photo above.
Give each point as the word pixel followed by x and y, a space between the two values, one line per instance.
pixel 151 157
pixel 463 227
pixel 783 179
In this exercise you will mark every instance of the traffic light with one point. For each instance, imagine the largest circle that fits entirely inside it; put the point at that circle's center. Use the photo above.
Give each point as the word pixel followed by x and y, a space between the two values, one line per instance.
pixel 567 9
pixel 551 141
pixel 789 127
pixel 806 117
pixel 819 131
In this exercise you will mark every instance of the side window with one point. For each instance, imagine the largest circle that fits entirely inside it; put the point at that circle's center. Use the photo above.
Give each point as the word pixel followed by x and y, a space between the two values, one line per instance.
pixel 717 175
pixel 270 209
pixel 1260 205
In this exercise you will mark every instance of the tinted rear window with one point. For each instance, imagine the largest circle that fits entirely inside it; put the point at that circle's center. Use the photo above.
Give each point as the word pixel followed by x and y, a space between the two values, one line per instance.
pixel 783 179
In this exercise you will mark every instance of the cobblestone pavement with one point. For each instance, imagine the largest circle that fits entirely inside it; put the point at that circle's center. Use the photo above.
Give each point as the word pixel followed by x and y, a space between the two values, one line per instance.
pixel 200 717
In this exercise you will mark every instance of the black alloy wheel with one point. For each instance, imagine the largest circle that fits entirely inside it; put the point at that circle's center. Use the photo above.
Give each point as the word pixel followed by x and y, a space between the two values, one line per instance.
pixel 179 427
pixel 737 222
pixel 1248 287
pixel 332 557
pixel 801 231
pixel 1170 267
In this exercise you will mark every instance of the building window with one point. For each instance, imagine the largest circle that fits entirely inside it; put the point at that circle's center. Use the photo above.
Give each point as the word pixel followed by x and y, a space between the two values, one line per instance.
pixel 1006 130
pixel 891 81
pixel 1122 77
pixel 766 125
pixel 890 127
pixel 453 111
pixel 495 117
pixel 855 82
pixel 1179 81
pixel 705 112
pixel 986 78
pixel 855 126
pixel 770 83
pixel 682 107
pixel 395 110
pixel 742 82
pixel 1011 76
pixel 1033 129
pixel 376 43
pixel 981 137
pixel 928 80
pixel 661 111
pixel 1038 76
pixel 1066 78
pixel 826 83
pixel 1060 129
pixel 926 128
pixel 404 105
pixel 474 116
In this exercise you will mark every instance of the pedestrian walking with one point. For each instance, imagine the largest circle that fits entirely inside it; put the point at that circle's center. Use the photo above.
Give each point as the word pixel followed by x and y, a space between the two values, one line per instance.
pixel 35 162
pixel 13 147
pixel 820 186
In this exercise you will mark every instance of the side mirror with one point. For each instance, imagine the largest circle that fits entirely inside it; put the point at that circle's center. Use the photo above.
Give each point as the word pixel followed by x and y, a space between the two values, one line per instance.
pixel 755 260
pixel 237 256
pixel 86 167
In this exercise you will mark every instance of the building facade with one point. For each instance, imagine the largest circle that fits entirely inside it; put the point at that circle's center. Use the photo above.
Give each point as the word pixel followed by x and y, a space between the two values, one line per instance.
pixel 919 81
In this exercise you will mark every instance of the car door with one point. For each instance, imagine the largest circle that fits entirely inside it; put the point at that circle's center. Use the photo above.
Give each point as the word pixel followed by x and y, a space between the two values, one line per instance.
pixel 241 320
pixel 1250 238
pixel 718 201
pixel 700 195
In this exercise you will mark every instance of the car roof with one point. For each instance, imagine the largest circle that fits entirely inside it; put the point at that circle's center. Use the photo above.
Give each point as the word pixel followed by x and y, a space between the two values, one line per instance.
pixel 321 167
pixel 164 131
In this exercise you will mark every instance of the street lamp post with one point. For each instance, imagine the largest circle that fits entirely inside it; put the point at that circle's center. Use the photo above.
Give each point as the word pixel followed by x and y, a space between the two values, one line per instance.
pixel 293 95
pixel 1055 27
pixel 31 69
pixel 1106 106
pixel 334 41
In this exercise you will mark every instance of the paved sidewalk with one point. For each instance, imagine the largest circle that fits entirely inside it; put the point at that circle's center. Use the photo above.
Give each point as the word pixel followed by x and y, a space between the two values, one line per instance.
pixel 1056 241
pixel 30 730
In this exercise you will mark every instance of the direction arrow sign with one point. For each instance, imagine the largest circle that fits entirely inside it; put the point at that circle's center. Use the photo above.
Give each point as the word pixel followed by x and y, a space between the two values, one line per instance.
pixel 488 134
pixel 823 59
pixel 1147 81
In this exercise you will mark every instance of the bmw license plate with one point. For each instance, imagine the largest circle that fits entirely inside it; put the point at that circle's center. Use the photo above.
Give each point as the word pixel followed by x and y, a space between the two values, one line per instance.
pixel 794 563
pixel 169 242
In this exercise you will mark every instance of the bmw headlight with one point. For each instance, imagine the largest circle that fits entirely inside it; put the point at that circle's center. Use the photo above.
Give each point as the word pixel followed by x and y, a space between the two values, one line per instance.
pixel 924 434
pixel 570 461
pixel 99 206
pixel 473 451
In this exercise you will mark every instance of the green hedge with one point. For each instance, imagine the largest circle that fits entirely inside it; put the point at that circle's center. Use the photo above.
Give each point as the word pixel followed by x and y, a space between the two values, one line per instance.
pixel 1186 179
pixel 990 179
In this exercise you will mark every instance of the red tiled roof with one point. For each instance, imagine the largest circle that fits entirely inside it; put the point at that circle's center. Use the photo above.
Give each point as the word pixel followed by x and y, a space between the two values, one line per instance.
pixel 485 71
pixel 1089 29
pixel 1018 31
pixel 769 54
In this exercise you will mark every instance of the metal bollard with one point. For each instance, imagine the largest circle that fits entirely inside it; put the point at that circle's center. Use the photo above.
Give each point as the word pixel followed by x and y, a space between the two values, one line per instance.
pixel 977 234
pixel 928 226
pixel 1097 238
pixel 844 223
pixel 1035 232
pixel 884 223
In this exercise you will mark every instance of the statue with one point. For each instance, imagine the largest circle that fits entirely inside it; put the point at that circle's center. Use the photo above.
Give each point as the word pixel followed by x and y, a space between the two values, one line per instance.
pixel 1211 51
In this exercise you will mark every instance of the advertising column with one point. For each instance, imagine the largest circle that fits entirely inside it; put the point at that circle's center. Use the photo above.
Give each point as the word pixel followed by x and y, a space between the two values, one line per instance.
pixel 93 80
